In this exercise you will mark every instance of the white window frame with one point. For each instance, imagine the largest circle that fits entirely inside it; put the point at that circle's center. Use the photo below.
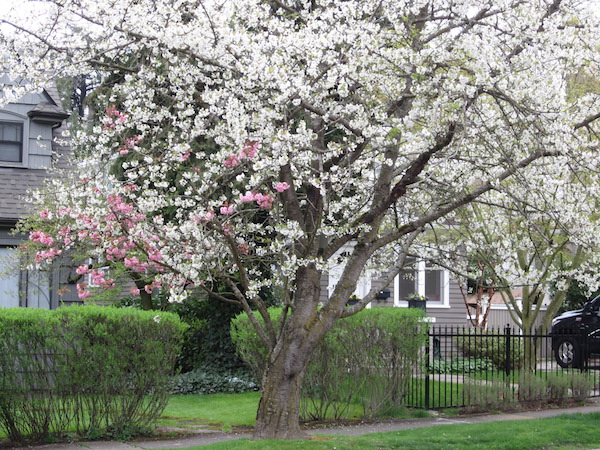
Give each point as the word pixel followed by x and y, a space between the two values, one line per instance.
pixel 12 117
pixel 363 285
pixel 420 287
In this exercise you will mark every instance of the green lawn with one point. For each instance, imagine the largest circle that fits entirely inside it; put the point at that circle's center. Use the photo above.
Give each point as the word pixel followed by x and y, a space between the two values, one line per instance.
pixel 221 410
pixel 224 411
pixel 568 431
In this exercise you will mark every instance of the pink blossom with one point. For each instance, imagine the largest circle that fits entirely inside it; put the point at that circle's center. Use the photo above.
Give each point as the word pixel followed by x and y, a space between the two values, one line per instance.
pixel 248 197
pixel 251 149
pixel 44 214
pixel 155 256
pixel 82 270
pixel 83 294
pixel 63 211
pixel 47 255
pixel 41 237
pixel 123 151
pixel 112 111
pixel 97 277
pixel 134 291
pixel 132 141
pixel 264 201
pixel 227 209
pixel 243 248
pixel 185 156
pixel 132 262
pixel 116 252
pixel 231 161
pixel 283 186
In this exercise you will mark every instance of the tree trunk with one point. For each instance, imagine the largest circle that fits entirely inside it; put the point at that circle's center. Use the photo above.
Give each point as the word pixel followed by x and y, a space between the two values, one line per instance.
pixel 279 407
pixel 278 410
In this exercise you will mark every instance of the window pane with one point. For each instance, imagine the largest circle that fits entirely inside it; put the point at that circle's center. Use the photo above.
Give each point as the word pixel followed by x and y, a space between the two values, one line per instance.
pixel 9 281
pixel 10 152
pixel 433 285
pixel 407 283
pixel 11 141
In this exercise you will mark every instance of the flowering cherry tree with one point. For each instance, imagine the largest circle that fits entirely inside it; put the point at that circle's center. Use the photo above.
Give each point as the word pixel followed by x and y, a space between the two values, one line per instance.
pixel 252 134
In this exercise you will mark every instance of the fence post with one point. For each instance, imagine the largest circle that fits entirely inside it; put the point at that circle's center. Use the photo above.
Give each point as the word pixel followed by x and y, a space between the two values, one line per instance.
pixel 427 369
pixel 507 365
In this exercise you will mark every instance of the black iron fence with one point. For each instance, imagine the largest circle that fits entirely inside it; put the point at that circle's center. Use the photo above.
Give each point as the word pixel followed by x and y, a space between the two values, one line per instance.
pixel 475 368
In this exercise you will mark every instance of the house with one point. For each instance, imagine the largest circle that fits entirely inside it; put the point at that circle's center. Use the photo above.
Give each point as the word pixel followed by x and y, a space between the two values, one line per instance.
pixel 27 149
pixel 445 306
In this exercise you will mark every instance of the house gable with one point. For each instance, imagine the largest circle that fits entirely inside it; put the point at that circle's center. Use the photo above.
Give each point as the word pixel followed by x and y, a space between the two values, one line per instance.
pixel 28 131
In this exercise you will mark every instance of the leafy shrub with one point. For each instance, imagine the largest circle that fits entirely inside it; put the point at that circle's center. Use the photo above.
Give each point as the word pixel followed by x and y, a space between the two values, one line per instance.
pixel 492 345
pixel 98 369
pixel 247 343
pixel 581 386
pixel 368 357
pixel 532 388
pixel 208 380
pixel 461 365
pixel 557 385
pixel 206 340
pixel 488 395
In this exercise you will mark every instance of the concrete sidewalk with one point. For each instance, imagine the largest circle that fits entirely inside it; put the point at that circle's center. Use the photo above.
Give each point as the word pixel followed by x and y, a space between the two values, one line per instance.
pixel 206 437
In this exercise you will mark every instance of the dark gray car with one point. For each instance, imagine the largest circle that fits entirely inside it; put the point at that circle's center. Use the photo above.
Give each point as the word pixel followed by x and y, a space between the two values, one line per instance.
pixel 576 335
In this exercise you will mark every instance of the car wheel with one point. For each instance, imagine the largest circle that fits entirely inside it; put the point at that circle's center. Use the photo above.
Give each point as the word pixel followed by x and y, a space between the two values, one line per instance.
pixel 567 353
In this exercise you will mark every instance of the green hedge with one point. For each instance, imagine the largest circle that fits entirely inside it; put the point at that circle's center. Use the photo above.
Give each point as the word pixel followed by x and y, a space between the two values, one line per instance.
pixel 367 359
pixel 93 370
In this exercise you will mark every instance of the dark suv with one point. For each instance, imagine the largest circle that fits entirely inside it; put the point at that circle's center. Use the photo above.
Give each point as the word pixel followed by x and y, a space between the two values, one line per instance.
pixel 576 335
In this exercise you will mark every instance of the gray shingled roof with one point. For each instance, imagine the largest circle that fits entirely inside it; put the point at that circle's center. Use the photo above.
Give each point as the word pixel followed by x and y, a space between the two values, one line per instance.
pixel 14 184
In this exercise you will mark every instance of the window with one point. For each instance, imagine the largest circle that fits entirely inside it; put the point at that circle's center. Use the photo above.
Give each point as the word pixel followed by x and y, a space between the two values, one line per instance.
pixel 9 278
pixel 11 142
pixel 423 279
pixel 18 287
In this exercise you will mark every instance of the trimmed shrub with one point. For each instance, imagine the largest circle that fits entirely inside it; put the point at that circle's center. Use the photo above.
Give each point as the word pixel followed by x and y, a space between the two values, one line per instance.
pixel 479 394
pixel 368 358
pixel 557 385
pixel 532 388
pixel 581 385
pixel 97 369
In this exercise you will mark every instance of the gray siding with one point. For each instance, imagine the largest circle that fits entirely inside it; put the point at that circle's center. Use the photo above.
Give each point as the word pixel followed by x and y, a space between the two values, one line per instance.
pixel 455 314
pixel 500 317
